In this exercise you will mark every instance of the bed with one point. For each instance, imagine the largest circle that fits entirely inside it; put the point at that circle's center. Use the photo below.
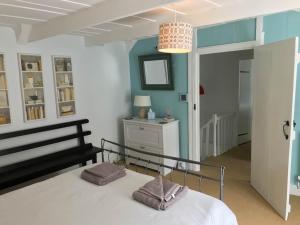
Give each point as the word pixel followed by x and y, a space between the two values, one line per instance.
pixel 68 200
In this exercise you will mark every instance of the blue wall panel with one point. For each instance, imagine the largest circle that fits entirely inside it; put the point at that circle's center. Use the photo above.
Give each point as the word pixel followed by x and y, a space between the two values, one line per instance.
pixel 234 32
pixel 163 101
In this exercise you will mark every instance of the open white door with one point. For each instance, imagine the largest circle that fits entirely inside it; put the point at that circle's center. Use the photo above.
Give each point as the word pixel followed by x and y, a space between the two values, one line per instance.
pixel 274 76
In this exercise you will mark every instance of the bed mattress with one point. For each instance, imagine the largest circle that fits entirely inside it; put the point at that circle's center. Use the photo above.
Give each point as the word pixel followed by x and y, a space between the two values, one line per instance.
pixel 68 200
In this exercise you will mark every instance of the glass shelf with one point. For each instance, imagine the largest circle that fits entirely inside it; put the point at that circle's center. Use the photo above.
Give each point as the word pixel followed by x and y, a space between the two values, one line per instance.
pixel 62 72
pixel 66 101
pixel 63 77
pixel 31 104
pixel 32 86
pixel 68 86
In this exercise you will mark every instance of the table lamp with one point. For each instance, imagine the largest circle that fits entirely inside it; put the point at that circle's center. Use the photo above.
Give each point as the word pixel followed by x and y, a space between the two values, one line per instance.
pixel 142 102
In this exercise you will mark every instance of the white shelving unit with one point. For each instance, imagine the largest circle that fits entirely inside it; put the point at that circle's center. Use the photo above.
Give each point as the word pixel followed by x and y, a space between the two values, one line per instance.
pixel 4 103
pixel 64 87
pixel 31 73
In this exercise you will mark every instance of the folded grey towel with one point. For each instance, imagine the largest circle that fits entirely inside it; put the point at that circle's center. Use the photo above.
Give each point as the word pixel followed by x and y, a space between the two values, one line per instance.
pixel 159 193
pixel 101 181
pixel 103 174
pixel 105 170
pixel 154 188
pixel 170 189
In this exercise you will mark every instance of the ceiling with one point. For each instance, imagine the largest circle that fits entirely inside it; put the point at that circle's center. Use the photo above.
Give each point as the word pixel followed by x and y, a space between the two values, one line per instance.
pixel 155 16
pixel 103 20
pixel 16 12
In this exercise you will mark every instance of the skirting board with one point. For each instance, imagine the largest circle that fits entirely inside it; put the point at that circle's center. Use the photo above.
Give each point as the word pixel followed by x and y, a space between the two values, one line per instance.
pixel 294 190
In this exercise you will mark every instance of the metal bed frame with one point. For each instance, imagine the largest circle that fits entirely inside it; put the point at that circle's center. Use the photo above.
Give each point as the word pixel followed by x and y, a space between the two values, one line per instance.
pixel 147 162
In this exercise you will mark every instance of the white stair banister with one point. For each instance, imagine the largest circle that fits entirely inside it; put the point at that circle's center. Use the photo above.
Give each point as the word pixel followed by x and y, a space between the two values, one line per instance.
pixel 215 119
pixel 217 135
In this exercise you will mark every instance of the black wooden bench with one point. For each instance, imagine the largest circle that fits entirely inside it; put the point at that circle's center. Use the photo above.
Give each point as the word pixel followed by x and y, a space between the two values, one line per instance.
pixel 19 172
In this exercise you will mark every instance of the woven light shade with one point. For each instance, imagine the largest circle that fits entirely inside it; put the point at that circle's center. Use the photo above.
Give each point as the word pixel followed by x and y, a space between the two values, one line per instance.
pixel 175 37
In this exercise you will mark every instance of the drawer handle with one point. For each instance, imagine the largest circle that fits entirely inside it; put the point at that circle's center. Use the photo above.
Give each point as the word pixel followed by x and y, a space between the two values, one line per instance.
pixel 142 128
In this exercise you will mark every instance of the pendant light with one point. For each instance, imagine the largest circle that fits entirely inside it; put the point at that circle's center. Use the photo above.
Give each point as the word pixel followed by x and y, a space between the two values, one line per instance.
pixel 175 37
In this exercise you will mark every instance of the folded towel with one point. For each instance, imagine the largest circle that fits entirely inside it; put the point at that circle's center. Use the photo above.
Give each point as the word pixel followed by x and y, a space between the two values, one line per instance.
pixel 170 189
pixel 154 188
pixel 101 181
pixel 159 193
pixel 105 170
pixel 103 174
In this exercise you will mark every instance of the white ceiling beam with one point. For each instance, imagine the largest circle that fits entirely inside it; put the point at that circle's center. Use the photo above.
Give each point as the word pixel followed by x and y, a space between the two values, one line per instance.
pixel 174 11
pixel 213 3
pixel 102 12
pixel 139 31
pixel 145 18
pixel 22 32
pixel 240 10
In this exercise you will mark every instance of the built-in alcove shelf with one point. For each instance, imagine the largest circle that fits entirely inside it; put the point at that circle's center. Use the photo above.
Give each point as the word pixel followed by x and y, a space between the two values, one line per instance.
pixel 4 103
pixel 31 72
pixel 31 88
pixel 63 77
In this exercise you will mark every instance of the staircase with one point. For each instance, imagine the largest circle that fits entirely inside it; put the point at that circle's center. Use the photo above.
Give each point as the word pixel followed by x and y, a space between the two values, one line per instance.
pixel 217 135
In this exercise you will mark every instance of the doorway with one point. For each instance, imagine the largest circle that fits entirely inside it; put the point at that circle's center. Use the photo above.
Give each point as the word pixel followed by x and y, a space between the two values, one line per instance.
pixel 225 105
pixel 274 68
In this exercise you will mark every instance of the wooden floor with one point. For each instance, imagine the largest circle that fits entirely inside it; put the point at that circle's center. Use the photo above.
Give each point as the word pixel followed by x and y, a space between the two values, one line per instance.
pixel 249 207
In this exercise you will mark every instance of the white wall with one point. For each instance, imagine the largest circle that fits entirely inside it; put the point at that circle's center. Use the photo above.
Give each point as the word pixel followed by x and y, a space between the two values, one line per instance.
pixel 109 85
pixel 219 75
pixel 101 80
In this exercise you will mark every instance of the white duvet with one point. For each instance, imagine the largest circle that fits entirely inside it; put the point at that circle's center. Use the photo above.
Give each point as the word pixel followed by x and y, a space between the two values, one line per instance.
pixel 68 200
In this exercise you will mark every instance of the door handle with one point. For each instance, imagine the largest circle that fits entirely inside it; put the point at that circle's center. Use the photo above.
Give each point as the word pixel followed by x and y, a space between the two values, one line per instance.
pixel 286 124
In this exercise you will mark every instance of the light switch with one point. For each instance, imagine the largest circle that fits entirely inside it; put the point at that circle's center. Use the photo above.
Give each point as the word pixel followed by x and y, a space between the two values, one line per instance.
pixel 183 97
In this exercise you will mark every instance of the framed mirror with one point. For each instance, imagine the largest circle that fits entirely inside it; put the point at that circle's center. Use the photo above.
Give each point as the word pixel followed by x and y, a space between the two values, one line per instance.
pixel 156 72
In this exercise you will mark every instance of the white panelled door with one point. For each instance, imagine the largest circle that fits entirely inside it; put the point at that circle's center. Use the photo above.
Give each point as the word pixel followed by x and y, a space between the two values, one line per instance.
pixel 274 77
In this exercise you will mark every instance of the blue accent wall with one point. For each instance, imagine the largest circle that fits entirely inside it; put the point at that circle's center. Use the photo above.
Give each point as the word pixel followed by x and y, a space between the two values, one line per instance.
pixel 279 27
pixel 168 101
pixel 163 101
pixel 234 32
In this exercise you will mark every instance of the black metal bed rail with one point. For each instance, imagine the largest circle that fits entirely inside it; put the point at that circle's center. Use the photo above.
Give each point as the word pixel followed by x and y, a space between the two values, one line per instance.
pixel 43 143
pixel 59 158
pixel 35 130
pixel 200 176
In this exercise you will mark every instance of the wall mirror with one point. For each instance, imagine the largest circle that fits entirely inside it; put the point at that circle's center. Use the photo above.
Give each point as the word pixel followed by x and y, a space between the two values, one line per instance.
pixel 155 72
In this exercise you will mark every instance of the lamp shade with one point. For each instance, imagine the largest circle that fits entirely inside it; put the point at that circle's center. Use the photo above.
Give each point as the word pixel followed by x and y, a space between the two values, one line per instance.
pixel 142 101
pixel 175 37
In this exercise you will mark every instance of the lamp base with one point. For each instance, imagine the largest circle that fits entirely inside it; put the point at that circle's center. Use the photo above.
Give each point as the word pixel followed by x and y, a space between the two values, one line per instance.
pixel 142 113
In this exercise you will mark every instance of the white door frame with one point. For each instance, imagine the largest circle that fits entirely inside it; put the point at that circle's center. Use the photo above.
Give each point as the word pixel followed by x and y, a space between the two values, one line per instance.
pixel 194 78
pixel 251 100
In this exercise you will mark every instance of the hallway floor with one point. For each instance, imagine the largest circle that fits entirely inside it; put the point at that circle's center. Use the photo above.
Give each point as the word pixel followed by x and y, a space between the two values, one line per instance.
pixel 249 207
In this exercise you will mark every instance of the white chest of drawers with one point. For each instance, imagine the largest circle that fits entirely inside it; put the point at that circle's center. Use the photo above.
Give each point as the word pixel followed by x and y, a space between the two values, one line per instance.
pixel 152 136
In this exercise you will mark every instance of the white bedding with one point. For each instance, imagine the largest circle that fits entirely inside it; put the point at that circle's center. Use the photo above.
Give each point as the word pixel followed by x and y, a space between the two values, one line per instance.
pixel 68 200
